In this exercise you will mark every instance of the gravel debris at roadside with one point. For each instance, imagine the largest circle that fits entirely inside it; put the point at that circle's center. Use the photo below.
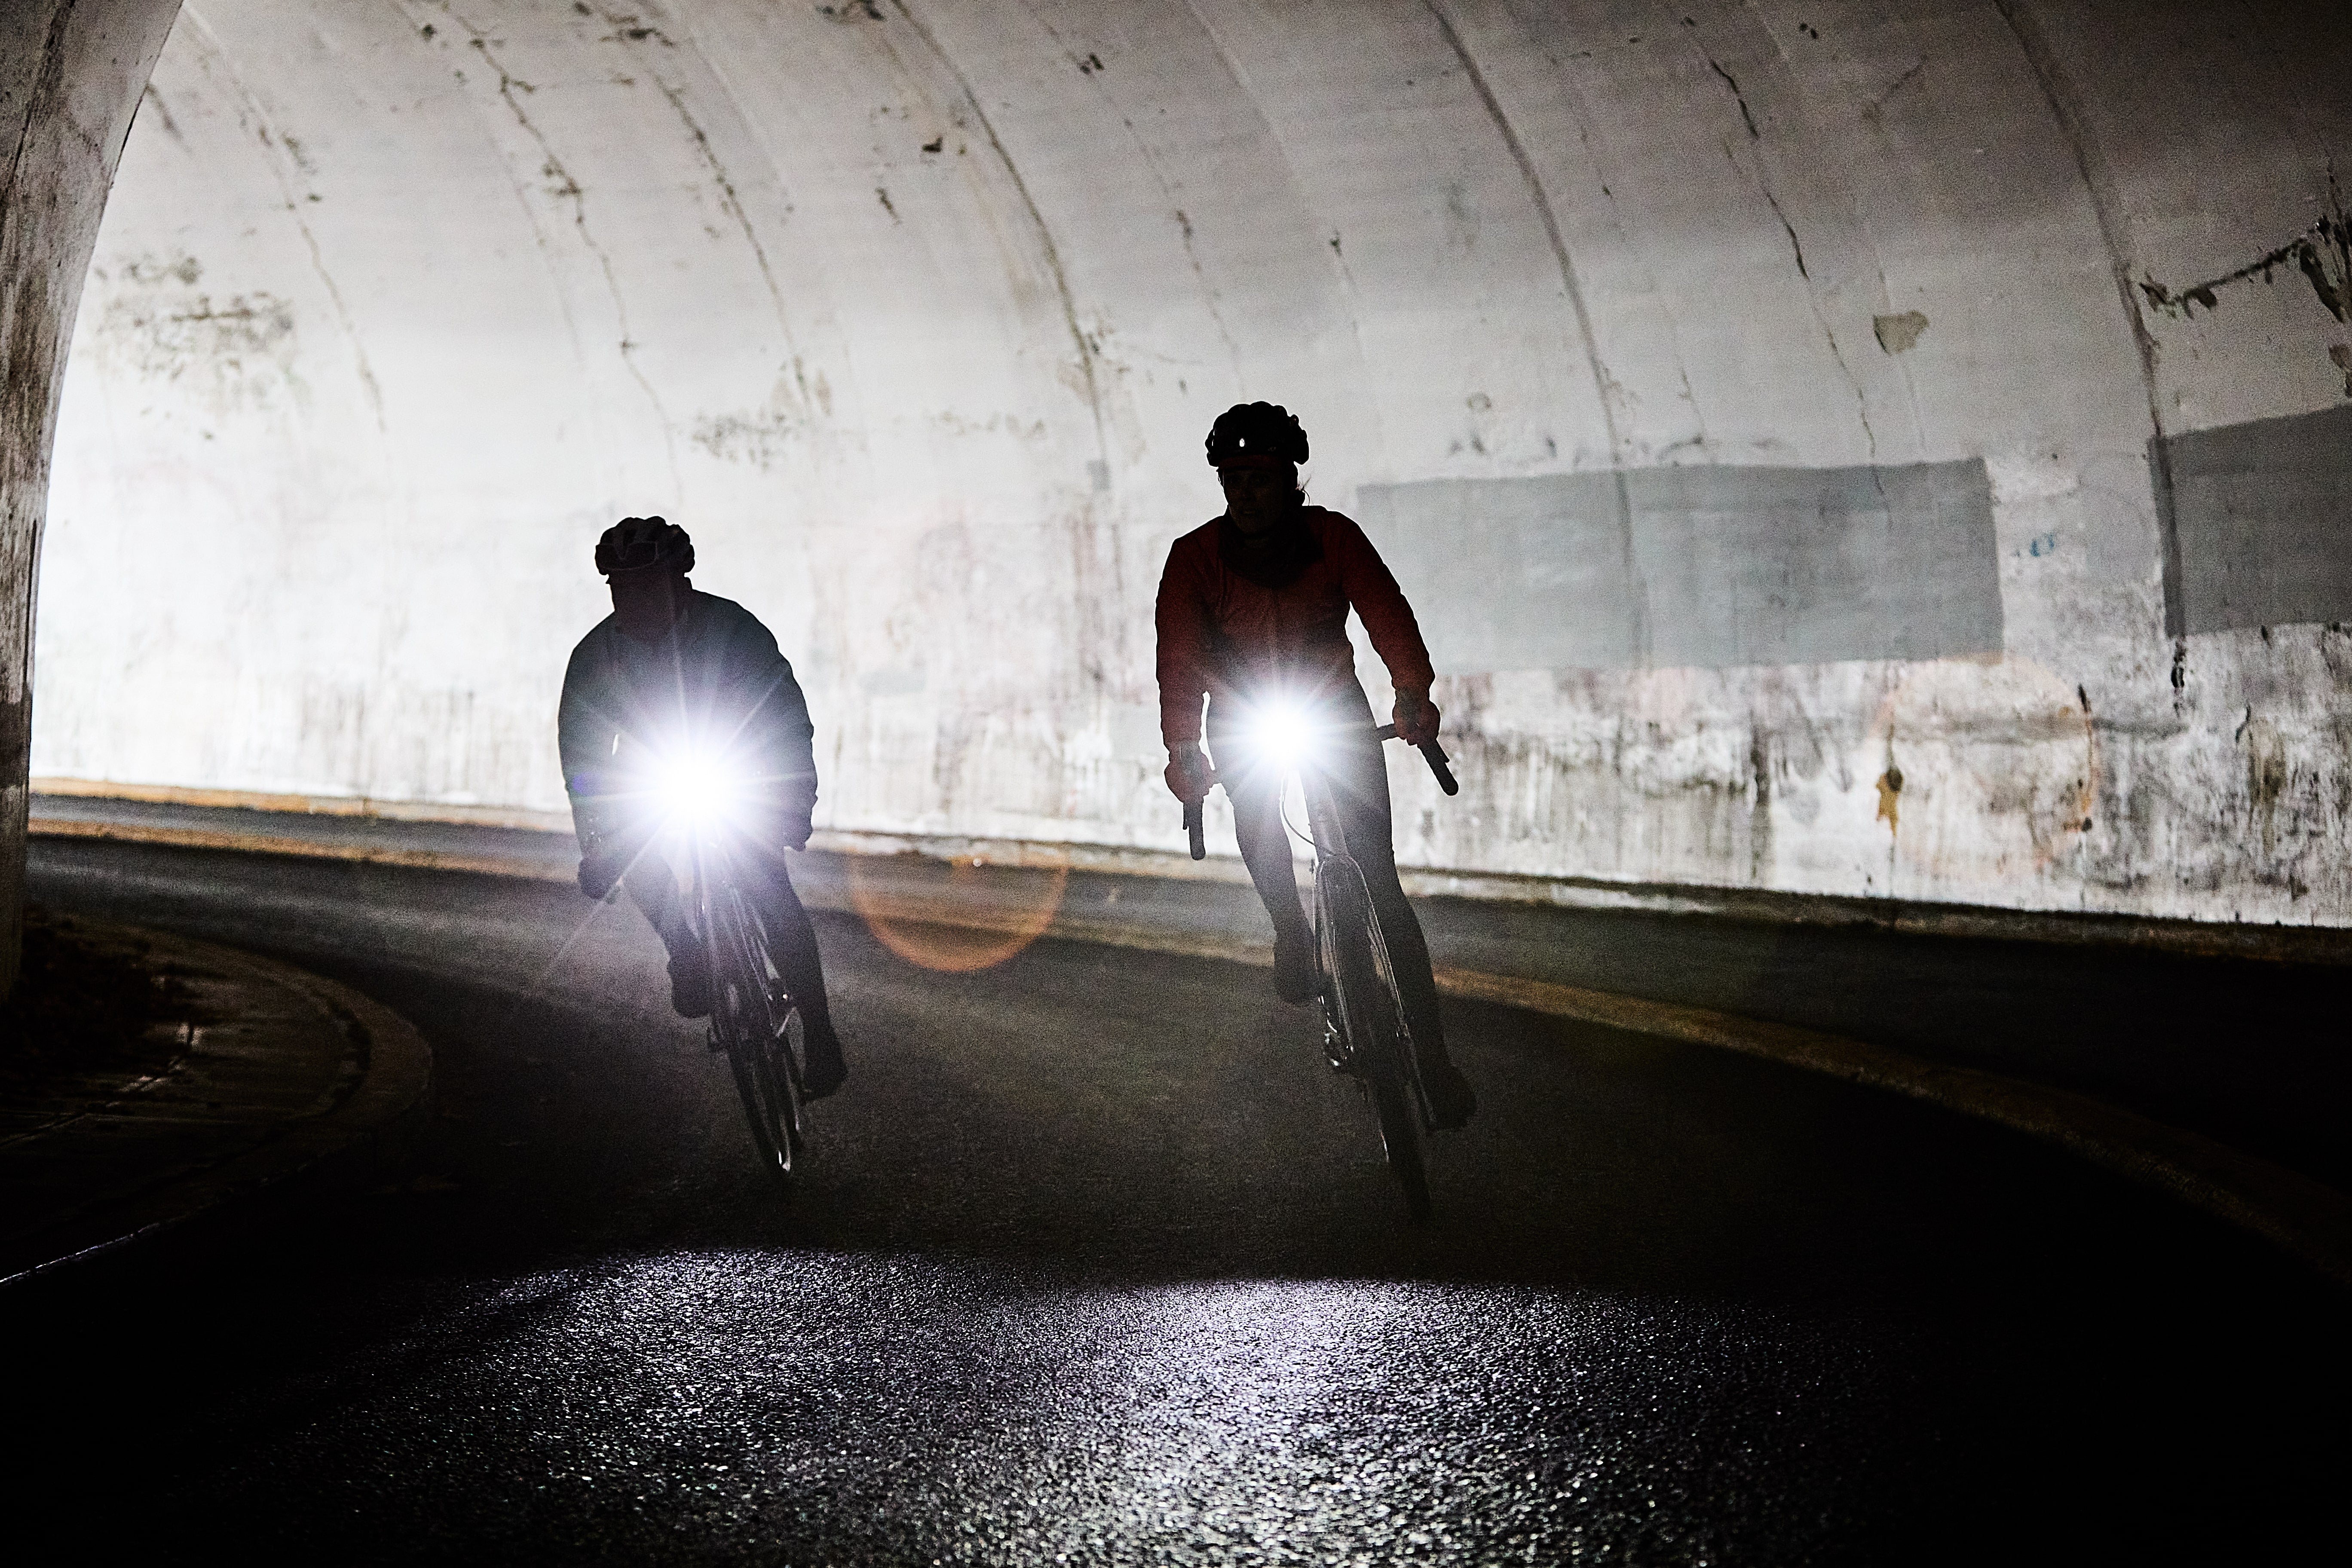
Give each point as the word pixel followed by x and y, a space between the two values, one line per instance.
pixel 91 1000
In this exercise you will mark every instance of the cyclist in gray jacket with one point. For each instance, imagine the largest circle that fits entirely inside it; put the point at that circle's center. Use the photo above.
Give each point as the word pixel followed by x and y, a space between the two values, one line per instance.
pixel 676 679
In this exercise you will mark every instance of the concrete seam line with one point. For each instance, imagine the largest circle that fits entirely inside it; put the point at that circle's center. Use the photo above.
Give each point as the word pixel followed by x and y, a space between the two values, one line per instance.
pixel 395 1078
pixel 2305 1217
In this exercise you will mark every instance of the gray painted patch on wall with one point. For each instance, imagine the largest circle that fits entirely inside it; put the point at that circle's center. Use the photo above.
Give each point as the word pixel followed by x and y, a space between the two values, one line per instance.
pixel 1718 566
pixel 2263 512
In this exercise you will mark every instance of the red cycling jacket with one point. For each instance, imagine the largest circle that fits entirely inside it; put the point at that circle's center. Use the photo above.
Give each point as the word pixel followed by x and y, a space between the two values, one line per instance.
pixel 1283 624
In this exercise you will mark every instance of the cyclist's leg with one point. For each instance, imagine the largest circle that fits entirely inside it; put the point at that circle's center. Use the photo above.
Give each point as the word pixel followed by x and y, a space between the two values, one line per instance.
pixel 1359 792
pixel 1255 790
pixel 652 887
pixel 1266 846
pixel 792 943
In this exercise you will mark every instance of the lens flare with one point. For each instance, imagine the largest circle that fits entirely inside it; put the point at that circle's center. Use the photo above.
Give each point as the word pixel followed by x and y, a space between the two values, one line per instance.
pixel 960 915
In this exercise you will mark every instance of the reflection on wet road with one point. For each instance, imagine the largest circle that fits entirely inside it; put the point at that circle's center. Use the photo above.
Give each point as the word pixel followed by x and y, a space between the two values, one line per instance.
pixel 1094 1262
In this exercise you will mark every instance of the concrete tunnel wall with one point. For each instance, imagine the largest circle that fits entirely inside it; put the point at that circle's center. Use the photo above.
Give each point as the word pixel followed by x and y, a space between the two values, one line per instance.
pixel 70 76
pixel 1830 446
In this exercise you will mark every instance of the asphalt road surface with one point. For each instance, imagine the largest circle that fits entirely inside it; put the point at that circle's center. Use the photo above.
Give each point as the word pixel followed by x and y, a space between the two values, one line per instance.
pixel 1095 1262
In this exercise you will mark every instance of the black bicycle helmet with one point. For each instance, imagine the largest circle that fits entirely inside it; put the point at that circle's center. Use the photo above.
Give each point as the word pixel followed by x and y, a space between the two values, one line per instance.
pixel 641 543
pixel 1257 430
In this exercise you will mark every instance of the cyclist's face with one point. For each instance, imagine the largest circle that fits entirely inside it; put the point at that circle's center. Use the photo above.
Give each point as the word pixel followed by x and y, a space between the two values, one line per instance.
pixel 647 602
pixel 1259 492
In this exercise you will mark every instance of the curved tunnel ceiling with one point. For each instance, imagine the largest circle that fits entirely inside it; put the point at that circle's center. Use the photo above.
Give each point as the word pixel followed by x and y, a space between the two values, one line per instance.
pixel 1796 424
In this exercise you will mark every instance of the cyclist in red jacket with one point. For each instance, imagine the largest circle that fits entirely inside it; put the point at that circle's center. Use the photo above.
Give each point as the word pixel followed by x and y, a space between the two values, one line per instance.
pixel 1252 614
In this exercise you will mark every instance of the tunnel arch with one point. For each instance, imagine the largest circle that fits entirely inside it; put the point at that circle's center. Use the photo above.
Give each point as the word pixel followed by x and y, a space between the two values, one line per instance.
pixel 1719 378
pixel 70 76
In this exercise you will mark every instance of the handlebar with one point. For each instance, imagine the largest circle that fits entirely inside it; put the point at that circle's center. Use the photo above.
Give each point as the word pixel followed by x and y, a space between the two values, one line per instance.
pixel 1434 754
pixel 1431 753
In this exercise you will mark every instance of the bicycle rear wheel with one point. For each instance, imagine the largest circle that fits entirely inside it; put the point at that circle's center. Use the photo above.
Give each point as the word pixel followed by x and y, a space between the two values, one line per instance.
pixel 755 1022
pixel 1368 1014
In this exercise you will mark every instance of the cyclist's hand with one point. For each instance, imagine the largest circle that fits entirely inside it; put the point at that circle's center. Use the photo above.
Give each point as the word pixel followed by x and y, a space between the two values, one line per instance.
pixel 796 831
pixel 597 875
pixel 1188 775
pixel 1416 718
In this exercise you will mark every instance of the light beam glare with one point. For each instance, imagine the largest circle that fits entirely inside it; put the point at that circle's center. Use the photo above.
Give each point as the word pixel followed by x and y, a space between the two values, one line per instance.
pixel 1281 733
pixel 697 790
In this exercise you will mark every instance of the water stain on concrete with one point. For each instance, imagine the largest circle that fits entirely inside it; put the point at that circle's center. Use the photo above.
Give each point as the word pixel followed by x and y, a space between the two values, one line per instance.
pixel 194 329
pixel 2266 776
pixel 760 439
pixel 1898 333
pixel 1890 788
pixel 154 270
pixel 2322 253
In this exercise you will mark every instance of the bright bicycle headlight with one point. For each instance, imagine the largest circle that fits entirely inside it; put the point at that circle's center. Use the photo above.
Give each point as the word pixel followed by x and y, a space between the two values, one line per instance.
pixel 1281 732
pixel 697 790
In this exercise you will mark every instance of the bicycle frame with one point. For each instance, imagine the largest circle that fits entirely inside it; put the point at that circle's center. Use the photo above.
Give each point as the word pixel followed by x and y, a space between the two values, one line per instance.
pixel 1366 1033
pixel 750 1011
pixel 1338 881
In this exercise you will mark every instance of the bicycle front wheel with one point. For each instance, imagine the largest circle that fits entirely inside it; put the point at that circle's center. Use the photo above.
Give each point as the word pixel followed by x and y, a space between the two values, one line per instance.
pixel 1366 1015
pixel 1401 1140
pixel 755 1024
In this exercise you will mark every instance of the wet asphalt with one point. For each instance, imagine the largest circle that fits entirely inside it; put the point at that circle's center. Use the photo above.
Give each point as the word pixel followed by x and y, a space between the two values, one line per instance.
pixel 1095 1262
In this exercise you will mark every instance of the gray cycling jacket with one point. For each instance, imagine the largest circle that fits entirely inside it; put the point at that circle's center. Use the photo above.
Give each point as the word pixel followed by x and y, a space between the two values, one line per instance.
pixel 716 684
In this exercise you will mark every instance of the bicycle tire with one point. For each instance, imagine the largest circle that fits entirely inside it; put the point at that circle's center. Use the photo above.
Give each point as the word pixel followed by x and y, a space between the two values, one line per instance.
pixel 1401 1140
pixel 746 1009
pixel 1361 998
pixel 787 1036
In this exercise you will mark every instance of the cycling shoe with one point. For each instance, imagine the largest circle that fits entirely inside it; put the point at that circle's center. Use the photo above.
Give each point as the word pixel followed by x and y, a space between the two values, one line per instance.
pixel 826 1072
pixel 690 984
pixel 1295 980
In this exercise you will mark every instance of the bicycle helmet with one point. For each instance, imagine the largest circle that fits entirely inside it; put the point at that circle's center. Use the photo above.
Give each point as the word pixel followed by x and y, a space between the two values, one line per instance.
pixel 642 543
pixel 1257 430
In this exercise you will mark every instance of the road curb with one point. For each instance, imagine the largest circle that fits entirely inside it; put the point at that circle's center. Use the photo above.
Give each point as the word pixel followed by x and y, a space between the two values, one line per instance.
pixel 2304 1217
pixel 304 848
pixel 366 1126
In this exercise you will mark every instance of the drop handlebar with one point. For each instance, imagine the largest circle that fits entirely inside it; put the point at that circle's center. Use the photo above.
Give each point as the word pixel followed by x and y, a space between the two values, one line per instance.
pixel 1434 754
pixel 1431 753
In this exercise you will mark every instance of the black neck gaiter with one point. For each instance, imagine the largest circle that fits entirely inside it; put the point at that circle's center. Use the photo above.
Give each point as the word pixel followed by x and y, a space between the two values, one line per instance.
pixel 1274 559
